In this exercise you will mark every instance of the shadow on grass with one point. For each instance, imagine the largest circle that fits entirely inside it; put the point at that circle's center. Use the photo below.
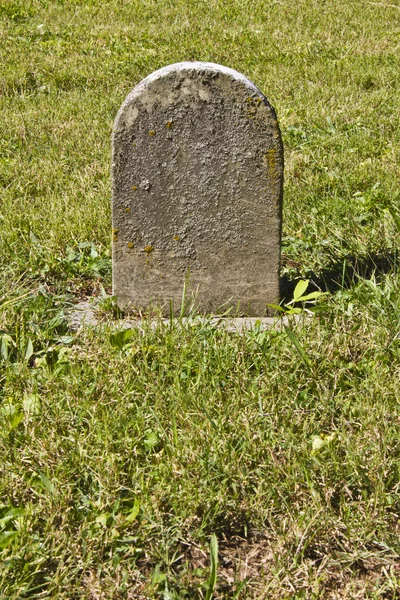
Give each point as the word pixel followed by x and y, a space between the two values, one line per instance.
pixel 342 274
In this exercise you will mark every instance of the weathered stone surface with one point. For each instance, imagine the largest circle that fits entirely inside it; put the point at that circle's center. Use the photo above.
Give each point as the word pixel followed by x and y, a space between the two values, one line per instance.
pixel 197 192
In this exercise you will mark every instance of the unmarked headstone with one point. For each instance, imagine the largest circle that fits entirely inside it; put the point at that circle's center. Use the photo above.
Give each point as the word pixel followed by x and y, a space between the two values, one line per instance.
pixel 197 192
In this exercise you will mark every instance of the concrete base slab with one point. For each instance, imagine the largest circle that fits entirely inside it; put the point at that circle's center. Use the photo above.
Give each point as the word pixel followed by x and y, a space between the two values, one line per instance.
pixel 85 314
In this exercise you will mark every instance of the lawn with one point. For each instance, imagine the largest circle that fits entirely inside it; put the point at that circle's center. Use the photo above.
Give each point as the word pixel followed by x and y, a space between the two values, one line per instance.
pixel 126 459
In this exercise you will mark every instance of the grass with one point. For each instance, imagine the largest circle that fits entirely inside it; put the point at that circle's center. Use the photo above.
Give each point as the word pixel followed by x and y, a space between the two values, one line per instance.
pixel 122 456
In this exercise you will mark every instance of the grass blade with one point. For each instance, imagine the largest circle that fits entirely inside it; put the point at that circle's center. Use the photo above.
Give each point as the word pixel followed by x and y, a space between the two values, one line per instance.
pixel 293 338
pixel 214 566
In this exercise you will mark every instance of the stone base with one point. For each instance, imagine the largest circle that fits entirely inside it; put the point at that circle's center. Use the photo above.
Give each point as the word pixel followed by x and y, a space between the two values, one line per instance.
pixel 86 314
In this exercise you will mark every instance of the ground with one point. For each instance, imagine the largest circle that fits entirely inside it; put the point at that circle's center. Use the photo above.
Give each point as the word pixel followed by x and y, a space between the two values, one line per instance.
pixel 123 452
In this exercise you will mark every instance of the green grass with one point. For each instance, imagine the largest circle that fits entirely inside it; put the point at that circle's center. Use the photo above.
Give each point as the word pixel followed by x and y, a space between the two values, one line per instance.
pixel 120 457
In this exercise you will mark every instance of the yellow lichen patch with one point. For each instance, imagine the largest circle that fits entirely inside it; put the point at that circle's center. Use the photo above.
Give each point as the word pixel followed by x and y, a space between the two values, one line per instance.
pixel 270 159
pixel 130 245
pixel 115 238
pixel 134 187
pixel 152 133
pixel 169 124
pixel 177 238
pixel 115 230
pixel 149 249
pixel 127 209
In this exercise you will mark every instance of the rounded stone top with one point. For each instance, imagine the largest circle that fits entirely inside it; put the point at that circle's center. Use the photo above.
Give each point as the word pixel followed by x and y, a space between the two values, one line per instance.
pixel 197 66
pixel 178 71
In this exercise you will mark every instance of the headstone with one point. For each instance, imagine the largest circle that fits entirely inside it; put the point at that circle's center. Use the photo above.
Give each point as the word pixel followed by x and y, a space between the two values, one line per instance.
pixel 197 193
